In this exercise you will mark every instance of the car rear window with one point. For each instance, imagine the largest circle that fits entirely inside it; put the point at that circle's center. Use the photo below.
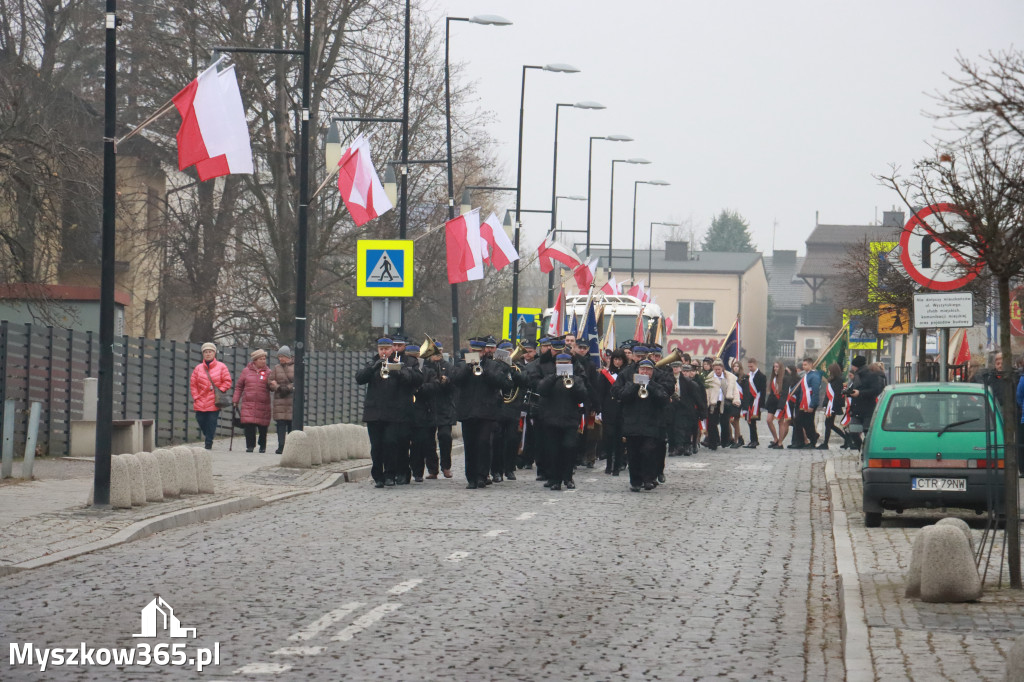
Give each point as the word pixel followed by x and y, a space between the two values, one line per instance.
pixel 935 412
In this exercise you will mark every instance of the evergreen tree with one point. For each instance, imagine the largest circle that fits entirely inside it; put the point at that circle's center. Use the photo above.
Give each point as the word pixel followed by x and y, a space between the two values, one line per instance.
pixel 729 232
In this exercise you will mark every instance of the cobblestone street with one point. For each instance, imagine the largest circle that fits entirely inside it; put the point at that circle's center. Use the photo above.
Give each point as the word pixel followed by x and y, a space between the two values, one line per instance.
pixel 725 572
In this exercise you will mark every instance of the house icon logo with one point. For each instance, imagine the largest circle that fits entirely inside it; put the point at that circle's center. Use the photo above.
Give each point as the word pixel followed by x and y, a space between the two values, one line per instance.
pixel 158 617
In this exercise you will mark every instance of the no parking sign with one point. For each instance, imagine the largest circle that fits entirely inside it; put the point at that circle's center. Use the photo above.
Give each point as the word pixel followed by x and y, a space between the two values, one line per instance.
pixel 926 256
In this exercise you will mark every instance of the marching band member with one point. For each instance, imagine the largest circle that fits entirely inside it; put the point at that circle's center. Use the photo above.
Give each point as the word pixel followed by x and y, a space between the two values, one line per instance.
pixel 611 414
pixel 560 408
pixel 480 386
pixel 642 423
pixel 443 408
pixel 506 431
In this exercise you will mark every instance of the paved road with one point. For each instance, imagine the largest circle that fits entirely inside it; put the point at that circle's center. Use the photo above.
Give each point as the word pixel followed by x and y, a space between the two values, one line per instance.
pixel 726 572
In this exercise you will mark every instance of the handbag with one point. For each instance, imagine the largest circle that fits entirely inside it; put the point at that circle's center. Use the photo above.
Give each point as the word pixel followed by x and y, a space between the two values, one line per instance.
pixel 220 398
pixel 236 419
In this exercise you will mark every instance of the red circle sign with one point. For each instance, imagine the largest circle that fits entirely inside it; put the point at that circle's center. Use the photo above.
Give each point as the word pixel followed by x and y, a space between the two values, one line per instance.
pixel 926 256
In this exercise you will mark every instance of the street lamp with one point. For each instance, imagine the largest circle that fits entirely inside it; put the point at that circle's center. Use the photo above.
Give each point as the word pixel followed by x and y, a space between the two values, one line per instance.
pixel 650 248
pixel 611 201
pixel 485 20
pixel 590 172
pixel 555 68
pixel 391 184
pixel 554 181
pixel 467 202
pixel 632 248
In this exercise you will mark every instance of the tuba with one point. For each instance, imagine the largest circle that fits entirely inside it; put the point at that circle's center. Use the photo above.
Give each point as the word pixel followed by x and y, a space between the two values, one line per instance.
pixel 517 353
pixel 674 356
pixel 429 348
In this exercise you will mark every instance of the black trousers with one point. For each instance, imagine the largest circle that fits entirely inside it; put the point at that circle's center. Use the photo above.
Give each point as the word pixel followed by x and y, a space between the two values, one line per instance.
pixel 564 441
pixel 506 446
pixel 250 436
pixel 423 452
pixel 718 427
pixel 643 458
pixel 614 448
pixel 545 450
pixel 830 426
pixel 284 427
pixel 444 444
pixel 804 421
pixel 386 438
pixel 752 426
pixel 476 435
pixel 677 433
pixel 531 444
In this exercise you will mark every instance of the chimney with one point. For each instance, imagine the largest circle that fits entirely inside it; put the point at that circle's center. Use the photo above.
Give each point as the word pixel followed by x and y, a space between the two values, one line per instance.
pixel 677 251
pixel 893 219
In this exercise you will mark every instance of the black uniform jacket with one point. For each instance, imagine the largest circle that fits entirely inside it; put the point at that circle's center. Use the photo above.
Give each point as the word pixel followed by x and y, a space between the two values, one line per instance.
pixel 388 399
pixel 641 416
pixel 480 396
pixel 560 406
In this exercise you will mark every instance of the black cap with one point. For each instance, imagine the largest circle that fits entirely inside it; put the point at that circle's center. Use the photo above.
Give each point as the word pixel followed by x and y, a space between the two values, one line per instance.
pixel 859 361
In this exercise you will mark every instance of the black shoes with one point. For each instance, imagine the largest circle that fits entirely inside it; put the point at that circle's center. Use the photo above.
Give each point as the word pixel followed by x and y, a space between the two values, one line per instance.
pixel 471 485
pixel 497 478
pixel 751 446
pixel 389 482
pixel 279 451
pixel 661 478
pixel 649 485
pixel 418 479
pixel 378 484
pixel 510 476
pixel 615 473
pixel 556 486
pixel 541 478
pixel 570 485
pixel 634 488
pixel 823 446
pixel 248 449
pixel 735 445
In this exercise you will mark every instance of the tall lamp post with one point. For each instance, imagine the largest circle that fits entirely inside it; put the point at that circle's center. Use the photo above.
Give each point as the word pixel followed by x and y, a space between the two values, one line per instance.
pixel 590 172
pixel 554 179
pixel 650 248
pixel 484 20
pixel 611 207
pixel 556 68
pixel 632 248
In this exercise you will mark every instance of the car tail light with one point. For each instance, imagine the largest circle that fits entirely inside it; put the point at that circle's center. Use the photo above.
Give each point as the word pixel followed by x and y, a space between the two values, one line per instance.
pixel 985 464
pixel 889 463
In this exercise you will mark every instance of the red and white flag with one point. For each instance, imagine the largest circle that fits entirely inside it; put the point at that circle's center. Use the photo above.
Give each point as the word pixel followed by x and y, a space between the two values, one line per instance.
pixel 462 244
pixel 584 275
pixel 360 185
pixel 557 314
pixel 499 248
pixel 551 250
pixel 637 290
pixel 668 325
pixel 214 135
pixel 611 287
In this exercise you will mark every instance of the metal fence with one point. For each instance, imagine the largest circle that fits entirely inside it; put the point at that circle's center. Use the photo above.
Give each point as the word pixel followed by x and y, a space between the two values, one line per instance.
pixel 151 381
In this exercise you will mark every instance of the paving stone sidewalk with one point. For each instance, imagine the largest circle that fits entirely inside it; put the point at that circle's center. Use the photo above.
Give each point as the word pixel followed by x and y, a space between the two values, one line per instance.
pixel 46 519
pixel 907 639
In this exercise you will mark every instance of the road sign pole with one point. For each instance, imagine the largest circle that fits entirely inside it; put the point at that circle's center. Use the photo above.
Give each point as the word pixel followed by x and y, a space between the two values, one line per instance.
pixel 386 316
pixel 943 354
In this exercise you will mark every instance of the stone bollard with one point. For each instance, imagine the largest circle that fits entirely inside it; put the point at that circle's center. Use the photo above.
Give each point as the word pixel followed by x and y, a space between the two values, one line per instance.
pixel 337 443
pixel 120 483
pixel 151 476
pixel 204 469
pixel 316 438
pixel 962 525
pixel 138 483
pixel 328 444
pixel 913 590
pixel 168 472
pixel 297 451
pixel 185 465
pixel 1015 661
pixel 345 436
pixel 948 573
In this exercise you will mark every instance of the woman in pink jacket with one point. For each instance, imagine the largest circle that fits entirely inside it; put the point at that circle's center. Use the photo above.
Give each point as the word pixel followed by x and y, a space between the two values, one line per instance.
pixel 203 397
pixel 253 393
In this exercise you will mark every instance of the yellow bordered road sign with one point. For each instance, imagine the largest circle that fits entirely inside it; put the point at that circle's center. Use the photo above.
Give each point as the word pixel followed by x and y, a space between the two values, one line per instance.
pixel 384 268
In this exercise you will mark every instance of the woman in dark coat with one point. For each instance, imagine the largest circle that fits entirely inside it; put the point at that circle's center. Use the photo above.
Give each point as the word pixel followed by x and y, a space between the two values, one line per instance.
pixel 833 404
pixel 282 379
pixel 253 393
pixel 611 414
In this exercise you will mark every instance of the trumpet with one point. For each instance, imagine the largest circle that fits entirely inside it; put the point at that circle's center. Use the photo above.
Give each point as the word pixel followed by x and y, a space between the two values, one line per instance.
pixel 478 369
pixel 384 370
pixel 567 381
pixel 474 359
pixel 643 391
pixel 643 380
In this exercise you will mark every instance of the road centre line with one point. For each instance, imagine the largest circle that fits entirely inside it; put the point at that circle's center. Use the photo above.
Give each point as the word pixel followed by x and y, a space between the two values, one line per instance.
pixel 402 588
pixel 325 621
pixel 300 651
pixel 262 669
pixel 364 621
pixel 494 533
pixel 456 557
pixel 526 516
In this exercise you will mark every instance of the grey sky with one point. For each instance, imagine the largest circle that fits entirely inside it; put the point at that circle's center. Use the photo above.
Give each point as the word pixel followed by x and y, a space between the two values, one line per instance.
pixel 776 109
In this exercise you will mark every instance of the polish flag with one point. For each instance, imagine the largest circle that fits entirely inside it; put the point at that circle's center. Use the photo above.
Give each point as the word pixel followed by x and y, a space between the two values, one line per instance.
pixel 462 244
pixel 500 247
pixel 637 291
pixel 584 275
pixel 611 287
pixel 668 325
pixel 214 136
pixel 551 250
pixel 555 321
pixel 359 184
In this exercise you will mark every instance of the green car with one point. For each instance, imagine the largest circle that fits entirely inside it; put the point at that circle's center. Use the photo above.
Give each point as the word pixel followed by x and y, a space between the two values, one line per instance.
pixel 926 447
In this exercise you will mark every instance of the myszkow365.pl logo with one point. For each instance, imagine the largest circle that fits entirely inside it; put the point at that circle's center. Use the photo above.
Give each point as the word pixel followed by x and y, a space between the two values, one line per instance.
pixel 158 619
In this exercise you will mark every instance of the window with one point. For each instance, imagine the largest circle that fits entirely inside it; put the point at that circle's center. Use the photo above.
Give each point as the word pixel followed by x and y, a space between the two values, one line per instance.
pixel 935 411
pixel 695 314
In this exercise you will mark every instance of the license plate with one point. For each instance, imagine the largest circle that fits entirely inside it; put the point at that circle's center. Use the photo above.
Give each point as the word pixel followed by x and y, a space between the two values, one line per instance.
pixel 956 485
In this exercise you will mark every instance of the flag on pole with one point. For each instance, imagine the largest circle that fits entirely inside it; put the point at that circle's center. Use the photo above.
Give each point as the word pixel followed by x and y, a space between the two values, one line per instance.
pixel 959 349
pixel 500 249
pixel 551 250
pixel 557 315
pixel 611 287
pixel 835 351
pixel 462 246
pixel 360 185
pixel 668 325
pixel 609 335
pixel 584 275
pixel 214 135
pixel 638 332
pixel 637 290
pixel 730 348
pixel 588 331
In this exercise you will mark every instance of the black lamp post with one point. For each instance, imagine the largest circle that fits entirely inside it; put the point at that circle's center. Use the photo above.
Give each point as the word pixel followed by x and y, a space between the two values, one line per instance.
pixel 611 206
pixel 632 248
pixel 590 172
pixel 485 20
pixel 650 248
pixel 557 68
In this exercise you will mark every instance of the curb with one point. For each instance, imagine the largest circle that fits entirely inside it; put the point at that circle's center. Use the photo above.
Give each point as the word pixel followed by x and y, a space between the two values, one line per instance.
pixel 170 520
pixel 357 474
pixel 856 644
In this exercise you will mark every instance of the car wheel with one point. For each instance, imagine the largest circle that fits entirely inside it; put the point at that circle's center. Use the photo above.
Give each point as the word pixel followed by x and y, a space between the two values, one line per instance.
pixel 872 519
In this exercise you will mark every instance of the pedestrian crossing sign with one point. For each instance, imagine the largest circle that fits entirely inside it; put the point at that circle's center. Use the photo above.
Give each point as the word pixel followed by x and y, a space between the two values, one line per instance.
pixel 384 268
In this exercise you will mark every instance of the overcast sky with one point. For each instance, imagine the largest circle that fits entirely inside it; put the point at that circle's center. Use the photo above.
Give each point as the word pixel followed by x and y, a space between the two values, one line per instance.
pixel 776 109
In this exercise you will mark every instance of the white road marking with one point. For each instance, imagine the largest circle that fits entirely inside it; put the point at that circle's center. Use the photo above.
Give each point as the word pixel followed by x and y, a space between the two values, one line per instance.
pixel 590 480
pixel 526 516
pixel 494 533
pixel 754 467
pixel 571 490
pixel 300 651
pixel 402 588
pixel 456 557
pixel 263 669
pixel 364 621
pixel 691 465
pixel 325 621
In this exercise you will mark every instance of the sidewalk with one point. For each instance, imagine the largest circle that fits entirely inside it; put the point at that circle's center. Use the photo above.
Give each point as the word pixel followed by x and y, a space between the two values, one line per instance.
pixel 889 637
pixel 46 520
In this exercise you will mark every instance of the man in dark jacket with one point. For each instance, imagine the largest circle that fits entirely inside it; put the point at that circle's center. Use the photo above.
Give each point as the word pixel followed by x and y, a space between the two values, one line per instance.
pixel 587 447
pixel 536 371
pixel 506 431
pixel 864 391
pixel 757 384
pixel 443 407
pixel 611 414
pixel 389 390
pixel 422 452
pixel 642 424
pixel 561 413
pixel 480 386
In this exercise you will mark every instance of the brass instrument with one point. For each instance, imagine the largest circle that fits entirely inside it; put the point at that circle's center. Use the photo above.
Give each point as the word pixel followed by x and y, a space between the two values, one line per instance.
pixel 567 381
pixel 643 380
pixel 474 359
pixel 429 348
pixel 643 391
pixel 565 371
pixel 502 355
pixel 517 353
pixel 674 356
pixel 514 393
pixel 384 369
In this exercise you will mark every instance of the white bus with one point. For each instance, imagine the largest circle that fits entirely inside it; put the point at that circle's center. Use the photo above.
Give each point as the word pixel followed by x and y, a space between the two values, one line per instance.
pixel 620 308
